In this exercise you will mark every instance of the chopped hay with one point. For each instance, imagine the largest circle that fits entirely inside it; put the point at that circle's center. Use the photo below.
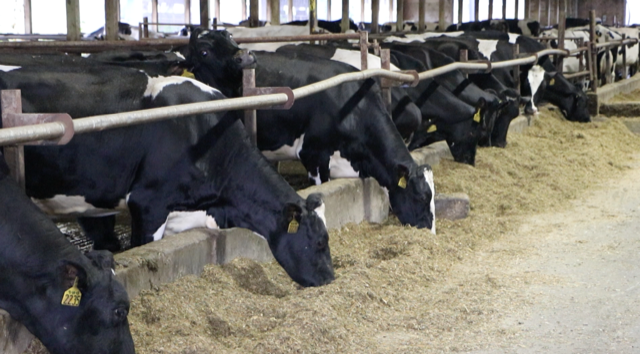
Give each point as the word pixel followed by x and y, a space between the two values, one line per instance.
pixel 393 290
pixel 633 96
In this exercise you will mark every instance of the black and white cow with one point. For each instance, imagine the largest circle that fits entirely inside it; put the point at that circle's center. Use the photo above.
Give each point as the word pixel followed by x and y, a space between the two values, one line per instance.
pixel 524 27
pixel 125 32
pixel 331 26
pixel 38 265
pixel 172 175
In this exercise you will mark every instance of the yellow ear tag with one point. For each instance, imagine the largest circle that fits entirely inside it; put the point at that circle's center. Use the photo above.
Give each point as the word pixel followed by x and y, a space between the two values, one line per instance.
pixel 187 73
pixel 476 117
pixel 72 296
pixel 552 82
pixel 293 227
pixel 402 183
pixel 432 129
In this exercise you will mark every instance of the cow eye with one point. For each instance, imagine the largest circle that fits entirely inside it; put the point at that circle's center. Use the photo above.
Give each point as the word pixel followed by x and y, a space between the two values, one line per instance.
pixel 204 53
pixel 120 313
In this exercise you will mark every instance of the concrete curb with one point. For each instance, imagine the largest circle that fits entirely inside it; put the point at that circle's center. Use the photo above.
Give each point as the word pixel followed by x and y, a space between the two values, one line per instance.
pixel 607 92
pixel 622 109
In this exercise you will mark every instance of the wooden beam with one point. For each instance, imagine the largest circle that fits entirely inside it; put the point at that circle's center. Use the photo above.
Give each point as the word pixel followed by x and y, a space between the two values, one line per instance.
pixel 290 10
pixel 187 11
pixel 154 14
pixel 504 9
pixel 362 5
pixel 328 10
pixel 275 12
pixel 476 15
pixel 400 15
pixel 244 9
pixel 313 16
pixel 204 14
pixel 558 11
pixel 460 11
pixel 111 19
pixel 254 12
pixel 441 18
pixel 217 12
pixel 490 10
pixel 375 16
pixel 73 20
pixel 421 14
pixel 548 12
pixel 344 24
pixel 527 9
pixel 27 17
pixel 515 15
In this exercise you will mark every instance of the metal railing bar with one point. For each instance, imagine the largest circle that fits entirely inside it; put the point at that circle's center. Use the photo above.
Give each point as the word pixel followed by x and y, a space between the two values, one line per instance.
pixel 305 91
pixel 28 133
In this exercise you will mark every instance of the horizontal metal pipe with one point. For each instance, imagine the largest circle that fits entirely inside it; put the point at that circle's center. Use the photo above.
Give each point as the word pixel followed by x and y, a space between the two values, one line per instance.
pixel 578 74
pixel 25 134
pixel 617 43
pixel 308 37
pixel 305 91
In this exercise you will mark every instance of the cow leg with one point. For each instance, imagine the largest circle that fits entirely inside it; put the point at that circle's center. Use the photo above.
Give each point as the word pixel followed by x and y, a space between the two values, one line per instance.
pixel 101 230
pixel 148 217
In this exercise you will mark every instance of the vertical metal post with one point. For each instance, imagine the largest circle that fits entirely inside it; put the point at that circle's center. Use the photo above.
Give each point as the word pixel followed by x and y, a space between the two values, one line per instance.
pixel 187 11
pixel 73 20
pixel 214 24
pixel 594 50
pixel 11 102
pixel 516 69
pixel 540 11
pixel 145 27
pixel 385 62
pixel 390 10
pixel 243 4
pixel 27 17
pixel 460 11
pixel 111 19
pixel 421 14
pixel 204 14
pixel 344 24
pixel 558 11
pixel 490 10
pixel 442 24
pixel 516 13
pixel 362 4
pixel 476 15
pixel 527 9
pixel 313 16
pixel 561 33
pixel 400 15
pixel 250 115
pixel 580 44
pixel 364 50
pixel 275 12
pixel 217 11
pixel 290 10
pixel 548 12
pixel 154 13
pixel 254 13
pixel 375 16
pixel 624 58
pixel 504 9
pixel 464 57
pixel 328 10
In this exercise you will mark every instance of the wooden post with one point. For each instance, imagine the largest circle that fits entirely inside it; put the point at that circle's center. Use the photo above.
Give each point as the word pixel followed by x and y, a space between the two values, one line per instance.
pixel 375 16
pixel 390 10
pixel 217 12
pixel 187 11
pixel 561 34
pixel 243 6
pixel 73 20
pixel 275 12
pixel 364 50
pixel 460 11
pixel 385 63
pixel 476 15
pixel 504 9
pixel 328 10
pixel 313 16
pixel 290 10
pixel 400 15
pixel 11 102
pixel 145 27
pixel 490 10
pixel 111 17
pixel 344 24
pixel 441 19
pixel 154 13
pixel 548 12
pixel 464 57
pixel 362 5
pixel 516 15
pixel 27 17
pixel 254 13
pixel 204 14
pixel 250 115
pixel 527 9
pixel 421 14
pixel 540 12
pixel 516 69
pixel 594 50
pixel 558 11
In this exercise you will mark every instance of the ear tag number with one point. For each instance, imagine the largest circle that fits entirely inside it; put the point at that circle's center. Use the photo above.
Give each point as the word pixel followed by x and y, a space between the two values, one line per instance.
pixel 293 227
pixel 402 183
pixel 552 82
pixel 476 117
pixel 72 296
pixel 432 129
pixel 187 73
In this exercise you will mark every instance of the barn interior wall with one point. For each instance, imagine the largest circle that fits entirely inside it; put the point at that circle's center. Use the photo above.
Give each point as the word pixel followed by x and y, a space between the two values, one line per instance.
pixel 432 10
pixel 612 9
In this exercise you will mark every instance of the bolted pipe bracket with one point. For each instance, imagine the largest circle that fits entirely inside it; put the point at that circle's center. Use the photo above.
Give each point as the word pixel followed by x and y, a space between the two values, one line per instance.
pixel 386 83
pixel 258 91
pixel 10 120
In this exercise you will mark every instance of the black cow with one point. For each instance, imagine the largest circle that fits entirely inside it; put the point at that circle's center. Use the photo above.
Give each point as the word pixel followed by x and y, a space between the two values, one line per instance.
pixel 524 27
pixel 38 266
pixel 331 26
pixel 169 171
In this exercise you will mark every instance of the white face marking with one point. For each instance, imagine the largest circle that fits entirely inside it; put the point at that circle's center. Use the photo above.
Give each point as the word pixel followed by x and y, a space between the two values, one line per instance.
pixel 179 55
pixel 422 36
pixel 7 68
pixel 286 152
pixel 204 33
pixel 320 211
pixel 487 47
pixel 113 271
pixel 428 176
pixel 513 37
pixel 339 167
pixel 535 78
pixel 155 85
pixel 316 178
pixel 74 205
pixel 180 221
pixel 353 58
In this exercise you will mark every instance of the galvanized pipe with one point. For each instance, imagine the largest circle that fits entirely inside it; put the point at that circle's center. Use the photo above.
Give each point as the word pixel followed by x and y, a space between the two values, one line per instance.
pixel 27 133
pixel 308 90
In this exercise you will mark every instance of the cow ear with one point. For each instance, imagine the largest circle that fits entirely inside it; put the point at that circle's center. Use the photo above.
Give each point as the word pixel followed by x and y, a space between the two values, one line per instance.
pixel 550 74
pixel 68 272
pixel 314 200
pixel 403 175
pixel 525 99
pixel 102 260
pixel 292 213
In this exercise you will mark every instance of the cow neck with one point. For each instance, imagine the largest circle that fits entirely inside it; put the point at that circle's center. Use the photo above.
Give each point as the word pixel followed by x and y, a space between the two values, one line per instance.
pixel 231 86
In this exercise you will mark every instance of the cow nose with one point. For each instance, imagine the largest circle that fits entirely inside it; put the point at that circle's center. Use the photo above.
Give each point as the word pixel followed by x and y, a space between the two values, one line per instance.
pixel 244 58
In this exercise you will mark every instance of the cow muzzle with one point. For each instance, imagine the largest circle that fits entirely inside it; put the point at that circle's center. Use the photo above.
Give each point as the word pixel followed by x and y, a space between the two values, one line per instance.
pixel 245 59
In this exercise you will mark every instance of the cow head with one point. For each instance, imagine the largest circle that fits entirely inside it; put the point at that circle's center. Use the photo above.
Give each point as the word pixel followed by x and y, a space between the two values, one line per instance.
pixel 412 198
pixel 301 243
pixel 571 100
pixel 218 61
pixel 510 101
pixel 98 324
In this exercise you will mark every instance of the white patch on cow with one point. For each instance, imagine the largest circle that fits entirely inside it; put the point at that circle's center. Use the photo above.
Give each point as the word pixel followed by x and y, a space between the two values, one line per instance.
pixel 316 179
pixel 353 58
pixel 179 55
pixel 113 271
pixel 513 38
pixel 535 78
pixel 155 85
pixel 203 33
pixel 286 152
pixel 74 205
pixel 7 68
pixel 180 221
pixel 320 211
pixel 408 38
pixel 126 198
pixel 428 176
pixel 339 167
pixel 262 237
pixel 487 47
pixel 268 31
